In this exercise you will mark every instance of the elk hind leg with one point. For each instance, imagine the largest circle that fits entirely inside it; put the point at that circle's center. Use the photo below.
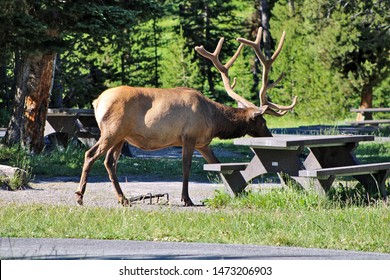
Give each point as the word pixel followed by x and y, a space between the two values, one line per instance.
pixel 111 163
pixel 89 159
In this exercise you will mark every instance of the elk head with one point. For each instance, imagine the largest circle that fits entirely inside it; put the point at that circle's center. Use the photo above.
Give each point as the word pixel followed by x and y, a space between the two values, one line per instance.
pixel 266 107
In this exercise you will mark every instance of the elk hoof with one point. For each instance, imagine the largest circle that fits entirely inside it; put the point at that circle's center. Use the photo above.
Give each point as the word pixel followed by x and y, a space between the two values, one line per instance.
pixel 187 202
pixel 124 201
pixel 79 198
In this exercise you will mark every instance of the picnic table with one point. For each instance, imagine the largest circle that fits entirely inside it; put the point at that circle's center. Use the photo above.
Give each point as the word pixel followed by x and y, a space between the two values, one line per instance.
pixel 313 161
pixel 63 124
pixel 360 120
pixel 66 123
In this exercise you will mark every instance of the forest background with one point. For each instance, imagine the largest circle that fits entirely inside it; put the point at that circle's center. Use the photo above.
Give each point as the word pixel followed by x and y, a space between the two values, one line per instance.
pixel 335 56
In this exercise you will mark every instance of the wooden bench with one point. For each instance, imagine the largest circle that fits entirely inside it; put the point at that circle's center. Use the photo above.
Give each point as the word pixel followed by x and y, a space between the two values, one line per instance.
pixel 379 171
pixel 360 119
pixel 225 167
pixel 370 122
pixel 230 174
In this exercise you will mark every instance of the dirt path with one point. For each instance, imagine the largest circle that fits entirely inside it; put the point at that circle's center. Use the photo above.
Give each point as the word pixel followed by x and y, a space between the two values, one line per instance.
pixel 100 192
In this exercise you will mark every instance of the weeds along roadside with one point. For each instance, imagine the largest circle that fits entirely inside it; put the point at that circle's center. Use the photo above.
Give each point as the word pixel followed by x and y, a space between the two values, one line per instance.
pixel 349 228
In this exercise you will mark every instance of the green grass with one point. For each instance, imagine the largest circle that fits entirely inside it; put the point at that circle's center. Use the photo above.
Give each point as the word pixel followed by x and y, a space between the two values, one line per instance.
pixel 354 228
pixel 290 198
pixel 290 121
pixel 373 152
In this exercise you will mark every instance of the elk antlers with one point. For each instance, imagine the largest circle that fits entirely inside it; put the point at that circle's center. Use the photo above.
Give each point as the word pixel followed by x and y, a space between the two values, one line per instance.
pixel 223 69
pixel 265 105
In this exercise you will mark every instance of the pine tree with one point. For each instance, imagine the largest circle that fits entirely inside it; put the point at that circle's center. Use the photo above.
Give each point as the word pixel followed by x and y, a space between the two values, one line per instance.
pixel 335 52
pixel 355 41
pixel 203 23
pixel 178 70
pixel 36 30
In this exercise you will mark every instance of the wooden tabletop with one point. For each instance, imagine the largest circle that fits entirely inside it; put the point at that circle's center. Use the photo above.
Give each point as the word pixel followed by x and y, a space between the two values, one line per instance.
pixel 70 111
pixel 371 110
pixel 286 141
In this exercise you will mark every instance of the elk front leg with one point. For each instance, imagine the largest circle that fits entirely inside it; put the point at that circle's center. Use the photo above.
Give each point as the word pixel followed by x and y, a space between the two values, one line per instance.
pixel 188 151
pixel 208 154
pixel 90 157
pixel 111 163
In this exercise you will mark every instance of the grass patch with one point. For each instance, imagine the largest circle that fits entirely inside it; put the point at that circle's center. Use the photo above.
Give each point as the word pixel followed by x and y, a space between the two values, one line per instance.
pixel 273 199
pixel 370 152
pixel 356 228
pixel 228 145
pixel 338 197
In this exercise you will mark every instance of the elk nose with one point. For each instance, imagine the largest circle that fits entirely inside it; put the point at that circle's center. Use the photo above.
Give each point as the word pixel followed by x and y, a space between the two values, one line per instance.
pixel 267 133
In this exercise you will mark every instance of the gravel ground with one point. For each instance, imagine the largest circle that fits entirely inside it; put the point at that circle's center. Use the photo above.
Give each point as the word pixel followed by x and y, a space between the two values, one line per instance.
pixel 100 192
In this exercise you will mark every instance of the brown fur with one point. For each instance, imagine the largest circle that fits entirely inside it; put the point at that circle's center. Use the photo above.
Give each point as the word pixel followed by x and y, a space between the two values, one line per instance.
pixel 150 119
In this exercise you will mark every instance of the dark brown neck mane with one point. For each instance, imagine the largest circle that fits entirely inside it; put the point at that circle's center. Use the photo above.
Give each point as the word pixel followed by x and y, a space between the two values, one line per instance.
pixel 230 122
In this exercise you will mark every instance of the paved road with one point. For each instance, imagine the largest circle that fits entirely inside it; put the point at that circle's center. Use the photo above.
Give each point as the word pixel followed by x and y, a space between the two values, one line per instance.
pixel 46 248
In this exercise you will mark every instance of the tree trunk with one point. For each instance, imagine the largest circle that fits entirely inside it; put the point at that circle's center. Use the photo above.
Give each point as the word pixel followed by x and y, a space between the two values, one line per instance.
pixel 365 102
pixel 264 13
pixel 155 46
pixel 209 73
pixel 33 87
pixel 56 99
pixel 291 5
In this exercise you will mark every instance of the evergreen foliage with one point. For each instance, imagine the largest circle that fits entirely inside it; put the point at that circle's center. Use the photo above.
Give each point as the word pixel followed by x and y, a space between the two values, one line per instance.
pixel 42 24
pixel 78 29
pixel 332 51
pixel 305 75
pixel 178 68
pixel 204 23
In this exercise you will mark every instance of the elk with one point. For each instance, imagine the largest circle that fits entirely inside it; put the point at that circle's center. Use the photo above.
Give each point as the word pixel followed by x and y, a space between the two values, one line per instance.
pixel 153 118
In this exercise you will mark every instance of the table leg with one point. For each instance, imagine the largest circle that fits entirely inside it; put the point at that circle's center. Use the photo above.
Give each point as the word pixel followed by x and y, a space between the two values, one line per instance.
pixel 264 161
pixel 273 161
pixel 237 180
pixel 324 157
pixel 234 181
pixel 314 161
pixel 331 156
pixel 375 183
pixel 320 186
pixel 381 179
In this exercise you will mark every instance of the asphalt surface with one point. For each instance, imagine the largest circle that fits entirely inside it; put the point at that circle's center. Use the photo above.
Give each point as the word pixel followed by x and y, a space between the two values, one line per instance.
pixel 74 249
